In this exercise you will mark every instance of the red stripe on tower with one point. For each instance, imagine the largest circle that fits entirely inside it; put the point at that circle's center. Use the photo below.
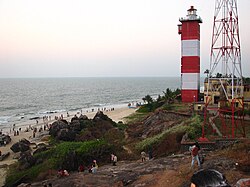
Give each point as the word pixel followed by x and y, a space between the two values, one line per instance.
pixel 190 56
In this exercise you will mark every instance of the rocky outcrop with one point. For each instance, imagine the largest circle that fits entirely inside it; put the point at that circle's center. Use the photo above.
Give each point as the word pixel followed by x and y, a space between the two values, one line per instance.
pixel 26 160
pixel 40 149
pixel 4 139
pixel 82 128
pixel 56 127
pixel 21 146
pixel 154 124
pixel 4 156
pixel 66 135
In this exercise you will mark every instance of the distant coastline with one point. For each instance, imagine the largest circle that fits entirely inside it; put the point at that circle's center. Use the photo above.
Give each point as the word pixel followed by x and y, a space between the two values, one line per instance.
pixel 25 98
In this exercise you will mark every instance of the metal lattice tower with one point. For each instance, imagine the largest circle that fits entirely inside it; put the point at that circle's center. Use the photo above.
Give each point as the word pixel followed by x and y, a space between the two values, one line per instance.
pixel 225 59
pixel 224 85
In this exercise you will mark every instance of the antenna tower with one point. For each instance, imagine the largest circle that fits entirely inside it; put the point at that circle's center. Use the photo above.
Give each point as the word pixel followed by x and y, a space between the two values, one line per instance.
pixel 224 85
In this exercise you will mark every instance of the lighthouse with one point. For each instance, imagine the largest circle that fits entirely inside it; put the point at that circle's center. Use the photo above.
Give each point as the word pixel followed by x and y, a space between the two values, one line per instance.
pixel 189 29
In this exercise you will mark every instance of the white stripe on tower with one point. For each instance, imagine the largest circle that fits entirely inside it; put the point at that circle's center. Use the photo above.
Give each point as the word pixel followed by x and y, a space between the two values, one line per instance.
pixel 190 81
pixel 190 48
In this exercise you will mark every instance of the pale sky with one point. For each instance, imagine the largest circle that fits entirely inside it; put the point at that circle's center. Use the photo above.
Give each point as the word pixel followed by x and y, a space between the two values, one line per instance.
pixel 103 38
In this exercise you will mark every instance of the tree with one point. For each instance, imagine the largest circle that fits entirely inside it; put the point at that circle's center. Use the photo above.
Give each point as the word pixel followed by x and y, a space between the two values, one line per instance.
pixel 168 95
pixel 148 98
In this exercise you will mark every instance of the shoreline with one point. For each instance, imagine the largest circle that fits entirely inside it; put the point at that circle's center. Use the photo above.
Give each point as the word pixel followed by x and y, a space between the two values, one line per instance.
pixel 118 114
pixel 31 121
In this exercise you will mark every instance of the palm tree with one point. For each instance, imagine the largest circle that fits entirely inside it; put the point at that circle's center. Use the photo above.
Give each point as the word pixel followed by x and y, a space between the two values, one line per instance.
pixel 148 98
pixel 168 95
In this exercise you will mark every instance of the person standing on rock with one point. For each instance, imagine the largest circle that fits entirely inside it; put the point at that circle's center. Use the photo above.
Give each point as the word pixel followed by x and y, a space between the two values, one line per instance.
pixel 115 160
pixel 194 152
pixel 143 156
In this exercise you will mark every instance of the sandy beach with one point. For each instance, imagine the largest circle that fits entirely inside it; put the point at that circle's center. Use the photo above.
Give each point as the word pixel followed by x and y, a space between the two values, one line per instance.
pixel 118 114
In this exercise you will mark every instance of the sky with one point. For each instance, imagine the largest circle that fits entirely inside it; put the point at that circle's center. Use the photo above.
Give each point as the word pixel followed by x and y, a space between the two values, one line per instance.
pixel 104 38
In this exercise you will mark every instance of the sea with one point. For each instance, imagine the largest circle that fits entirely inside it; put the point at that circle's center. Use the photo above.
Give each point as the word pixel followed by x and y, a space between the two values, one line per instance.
pixel 23 99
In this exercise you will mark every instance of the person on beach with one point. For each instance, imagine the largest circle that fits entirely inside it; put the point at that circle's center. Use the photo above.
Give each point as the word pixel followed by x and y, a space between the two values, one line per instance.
pixel 208 177
pixel 13 128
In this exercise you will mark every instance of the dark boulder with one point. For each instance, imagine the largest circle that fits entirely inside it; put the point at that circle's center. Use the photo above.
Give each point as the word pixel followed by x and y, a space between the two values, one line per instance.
pixel 56 126
pixel 66 135
pixel 26 160
pixel 75 126
pixel 74 118
pixel 25 141
pixel 20 147
pixel 83 117
pixel 40 149
pixel 100 116
pixel 3 156
pixel 4 139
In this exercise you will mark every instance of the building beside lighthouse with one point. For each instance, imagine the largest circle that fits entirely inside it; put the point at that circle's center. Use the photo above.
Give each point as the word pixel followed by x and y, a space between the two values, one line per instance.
pixel 189 29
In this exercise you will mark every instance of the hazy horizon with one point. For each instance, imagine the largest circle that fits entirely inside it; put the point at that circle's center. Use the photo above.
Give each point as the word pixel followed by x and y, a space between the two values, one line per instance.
pixel 111 38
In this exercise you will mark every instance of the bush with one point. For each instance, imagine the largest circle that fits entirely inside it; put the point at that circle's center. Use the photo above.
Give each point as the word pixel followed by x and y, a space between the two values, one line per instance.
pixel 66 155
pixel 194 127
pixel 14 177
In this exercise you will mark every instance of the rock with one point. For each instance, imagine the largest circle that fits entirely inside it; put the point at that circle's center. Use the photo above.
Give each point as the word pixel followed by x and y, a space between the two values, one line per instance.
pixel 56 127
pixel 4 139
pixel 75 126
pixel 66 135
pixel 24 185
pixel 26 160
pixel 3 156
pixel 101 116
pixel 25 141
pixel 17 155
pixel 74 118
pixel 83 117
pixel 40 149
pixel 20 147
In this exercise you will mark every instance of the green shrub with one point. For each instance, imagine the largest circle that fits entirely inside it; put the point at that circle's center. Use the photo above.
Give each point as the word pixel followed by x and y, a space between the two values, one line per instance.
pixel 121 126
pixel 15 177
pixel 194 127
pixel 135 117
pixel 56 157
pixel 167 107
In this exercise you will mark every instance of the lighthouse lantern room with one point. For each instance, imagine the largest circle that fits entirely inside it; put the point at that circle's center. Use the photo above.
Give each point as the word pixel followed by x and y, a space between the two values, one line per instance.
pixel 189 29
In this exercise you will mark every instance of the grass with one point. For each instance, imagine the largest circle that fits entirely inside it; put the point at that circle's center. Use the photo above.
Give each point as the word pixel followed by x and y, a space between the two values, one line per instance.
pixel 192 126
pixel 135 117
pixel 14 176
pixel 149 142
pixel 55 158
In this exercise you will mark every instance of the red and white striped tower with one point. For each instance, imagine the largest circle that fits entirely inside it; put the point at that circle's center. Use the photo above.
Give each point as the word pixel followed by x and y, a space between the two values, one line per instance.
pixel 190 56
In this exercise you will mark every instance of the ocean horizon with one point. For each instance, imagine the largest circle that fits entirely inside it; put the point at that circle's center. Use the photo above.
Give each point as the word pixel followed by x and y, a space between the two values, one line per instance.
pixel 25 98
